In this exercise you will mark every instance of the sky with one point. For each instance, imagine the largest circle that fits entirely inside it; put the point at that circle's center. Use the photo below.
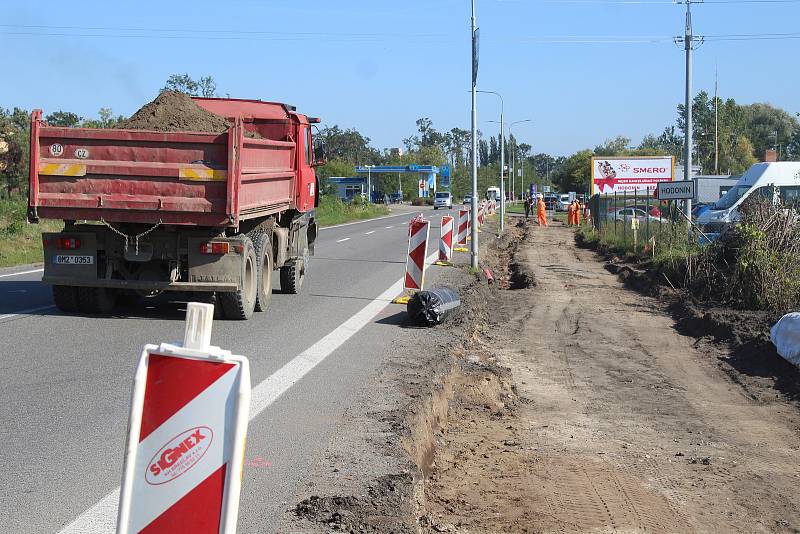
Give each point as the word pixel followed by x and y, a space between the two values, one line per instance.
pixel 379 65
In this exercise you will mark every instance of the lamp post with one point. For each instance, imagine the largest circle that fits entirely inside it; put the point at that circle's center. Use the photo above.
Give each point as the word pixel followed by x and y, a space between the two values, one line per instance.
pixel 474 117
pixel 502 163
pixel 513 158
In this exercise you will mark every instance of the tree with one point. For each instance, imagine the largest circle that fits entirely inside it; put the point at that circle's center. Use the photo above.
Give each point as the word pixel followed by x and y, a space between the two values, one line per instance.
pixel 348 145
pixel 183 83
pixel 14 135
pixel 483 152
pixel 106 120
pixel 207 87
pixel 768 127
pixel 65 119
pixel 613 147
pixel 575 173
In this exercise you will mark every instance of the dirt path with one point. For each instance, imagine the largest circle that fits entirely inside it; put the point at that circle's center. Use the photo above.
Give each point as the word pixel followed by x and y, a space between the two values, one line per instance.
pixel 616 422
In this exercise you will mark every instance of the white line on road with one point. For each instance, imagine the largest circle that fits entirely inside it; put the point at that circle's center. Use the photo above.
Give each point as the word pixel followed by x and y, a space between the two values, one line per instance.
pixel 21 273
pixel 367 220
pixel 370 232
pixel 22 312
pixel 101 518
pixel 341 240
pixel 389 227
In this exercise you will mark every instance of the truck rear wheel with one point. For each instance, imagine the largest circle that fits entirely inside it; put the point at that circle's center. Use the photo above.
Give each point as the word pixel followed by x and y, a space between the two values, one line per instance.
pixel 294 273
pixel 263 245
pixel 96 300
pixel 66 298
pixel 240 304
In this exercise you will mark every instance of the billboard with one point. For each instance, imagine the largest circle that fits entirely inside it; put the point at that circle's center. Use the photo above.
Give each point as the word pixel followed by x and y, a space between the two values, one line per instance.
pixel 620 174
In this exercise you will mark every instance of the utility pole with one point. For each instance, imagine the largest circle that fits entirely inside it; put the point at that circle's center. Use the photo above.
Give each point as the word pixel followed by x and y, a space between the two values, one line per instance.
pixel 716 121
pixel 688 41
pixel 474 208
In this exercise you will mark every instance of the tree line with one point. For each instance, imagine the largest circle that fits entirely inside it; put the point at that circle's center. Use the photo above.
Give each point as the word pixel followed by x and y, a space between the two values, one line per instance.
pixel 728 138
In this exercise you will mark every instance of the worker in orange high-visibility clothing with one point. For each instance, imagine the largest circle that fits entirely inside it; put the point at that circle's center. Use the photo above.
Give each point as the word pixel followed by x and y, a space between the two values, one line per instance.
pixel 571 213
pixel 541 211
pixel 576 218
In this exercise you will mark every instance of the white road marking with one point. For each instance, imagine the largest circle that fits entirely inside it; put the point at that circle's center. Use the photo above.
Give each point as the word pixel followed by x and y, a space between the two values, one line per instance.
pixel 22 312
pixel 370 232
pixel 102 517
pixel 366 220
pixel 389 227
pixel 341 240
pixel 21 273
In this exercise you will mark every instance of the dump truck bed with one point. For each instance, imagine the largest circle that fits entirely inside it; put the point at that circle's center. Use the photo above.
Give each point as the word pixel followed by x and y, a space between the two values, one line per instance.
pixel 183 178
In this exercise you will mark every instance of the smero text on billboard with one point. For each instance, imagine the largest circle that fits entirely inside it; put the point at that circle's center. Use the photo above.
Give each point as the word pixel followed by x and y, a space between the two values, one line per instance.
pixel 621 174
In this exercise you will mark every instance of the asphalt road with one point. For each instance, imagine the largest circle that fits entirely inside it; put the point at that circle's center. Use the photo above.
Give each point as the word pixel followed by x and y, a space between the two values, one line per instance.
pixel 66 382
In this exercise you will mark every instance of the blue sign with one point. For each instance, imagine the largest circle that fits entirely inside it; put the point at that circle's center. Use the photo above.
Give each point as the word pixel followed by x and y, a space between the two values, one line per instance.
pixel 533 190
pixel 444 181
pixel 444 171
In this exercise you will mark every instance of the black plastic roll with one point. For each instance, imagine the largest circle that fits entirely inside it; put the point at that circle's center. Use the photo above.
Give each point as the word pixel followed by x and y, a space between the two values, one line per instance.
pixel 434 306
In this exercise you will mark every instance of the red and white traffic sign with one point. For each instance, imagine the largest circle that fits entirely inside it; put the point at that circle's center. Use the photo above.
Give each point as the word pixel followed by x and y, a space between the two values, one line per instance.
pixel 463 226
pixel 418 230
pixel 186 436
pixel 446 241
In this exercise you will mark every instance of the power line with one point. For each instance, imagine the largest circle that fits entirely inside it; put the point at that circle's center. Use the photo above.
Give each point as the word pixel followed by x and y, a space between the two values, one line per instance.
pixel 216 31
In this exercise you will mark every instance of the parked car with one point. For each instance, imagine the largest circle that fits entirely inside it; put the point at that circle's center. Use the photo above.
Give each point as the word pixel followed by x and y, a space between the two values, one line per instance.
pixel 467 199
pixel 396 198
pixel 443 199
pixel 551 202
pixel 627 214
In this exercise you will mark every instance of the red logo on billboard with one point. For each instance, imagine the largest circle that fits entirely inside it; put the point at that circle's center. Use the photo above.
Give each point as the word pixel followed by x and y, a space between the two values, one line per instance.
pixel 178 455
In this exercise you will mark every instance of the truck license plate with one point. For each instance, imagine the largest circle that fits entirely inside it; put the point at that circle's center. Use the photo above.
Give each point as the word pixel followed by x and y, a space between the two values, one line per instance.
pixel 73 260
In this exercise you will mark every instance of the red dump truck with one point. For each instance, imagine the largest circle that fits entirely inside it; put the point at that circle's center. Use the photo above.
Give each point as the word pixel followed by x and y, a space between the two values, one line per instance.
pixel 144 212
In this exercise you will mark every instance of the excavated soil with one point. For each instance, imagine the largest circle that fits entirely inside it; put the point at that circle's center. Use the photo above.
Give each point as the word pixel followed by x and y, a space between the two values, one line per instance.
pixel 173 111
pixel 571 404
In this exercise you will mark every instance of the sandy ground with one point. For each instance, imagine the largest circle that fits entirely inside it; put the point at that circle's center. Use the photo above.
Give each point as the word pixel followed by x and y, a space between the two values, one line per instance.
pixel 572 405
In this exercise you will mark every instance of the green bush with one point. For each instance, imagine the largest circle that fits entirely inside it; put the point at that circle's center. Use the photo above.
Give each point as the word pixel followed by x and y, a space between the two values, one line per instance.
pixel 333 210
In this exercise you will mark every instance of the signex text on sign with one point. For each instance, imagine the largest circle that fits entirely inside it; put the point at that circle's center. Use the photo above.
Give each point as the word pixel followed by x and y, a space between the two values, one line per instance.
pixel 179 455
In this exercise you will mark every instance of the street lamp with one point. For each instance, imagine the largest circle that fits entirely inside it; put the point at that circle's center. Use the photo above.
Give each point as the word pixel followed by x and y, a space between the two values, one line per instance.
pixel 369 182
pixel 502 163
pixel 513 162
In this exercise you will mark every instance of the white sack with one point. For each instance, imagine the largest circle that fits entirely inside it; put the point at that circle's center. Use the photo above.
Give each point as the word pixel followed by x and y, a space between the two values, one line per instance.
pixel 785 336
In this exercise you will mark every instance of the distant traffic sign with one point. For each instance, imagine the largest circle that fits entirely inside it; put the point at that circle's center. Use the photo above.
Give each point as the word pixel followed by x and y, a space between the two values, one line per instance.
pixel 675 190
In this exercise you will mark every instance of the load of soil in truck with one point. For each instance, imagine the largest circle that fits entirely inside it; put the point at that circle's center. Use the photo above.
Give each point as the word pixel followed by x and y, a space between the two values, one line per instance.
pixel 172 111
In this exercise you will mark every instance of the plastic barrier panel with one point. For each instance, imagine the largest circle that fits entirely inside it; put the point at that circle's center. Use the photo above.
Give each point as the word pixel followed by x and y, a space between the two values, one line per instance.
pixel 186 436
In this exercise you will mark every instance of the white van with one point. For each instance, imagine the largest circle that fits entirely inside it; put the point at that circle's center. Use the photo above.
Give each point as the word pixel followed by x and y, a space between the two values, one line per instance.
pixel 780 182
pixel 493 193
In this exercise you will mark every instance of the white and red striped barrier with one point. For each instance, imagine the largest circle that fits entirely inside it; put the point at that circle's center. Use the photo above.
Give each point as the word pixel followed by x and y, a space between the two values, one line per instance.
pixel 186 436
pixel 446 240
pixel 418 230
pixel 463 226
pixel 481 214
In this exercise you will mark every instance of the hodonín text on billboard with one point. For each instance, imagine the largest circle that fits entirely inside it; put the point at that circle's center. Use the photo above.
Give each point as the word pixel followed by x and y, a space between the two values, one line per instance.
pixel 620 174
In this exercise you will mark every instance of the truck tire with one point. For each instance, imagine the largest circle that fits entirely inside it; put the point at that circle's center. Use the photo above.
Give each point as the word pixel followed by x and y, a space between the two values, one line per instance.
pixel 96 300
pixel 66 298
pixel 294 272
pixel 263 245
pixel 239 305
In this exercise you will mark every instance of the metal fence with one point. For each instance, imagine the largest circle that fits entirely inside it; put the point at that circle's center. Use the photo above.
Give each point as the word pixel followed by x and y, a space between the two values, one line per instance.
pixel 635 219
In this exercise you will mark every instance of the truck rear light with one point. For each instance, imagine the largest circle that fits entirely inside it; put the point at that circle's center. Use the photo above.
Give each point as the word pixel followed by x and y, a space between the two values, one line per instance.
pixel 68 243
pixel 215 247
